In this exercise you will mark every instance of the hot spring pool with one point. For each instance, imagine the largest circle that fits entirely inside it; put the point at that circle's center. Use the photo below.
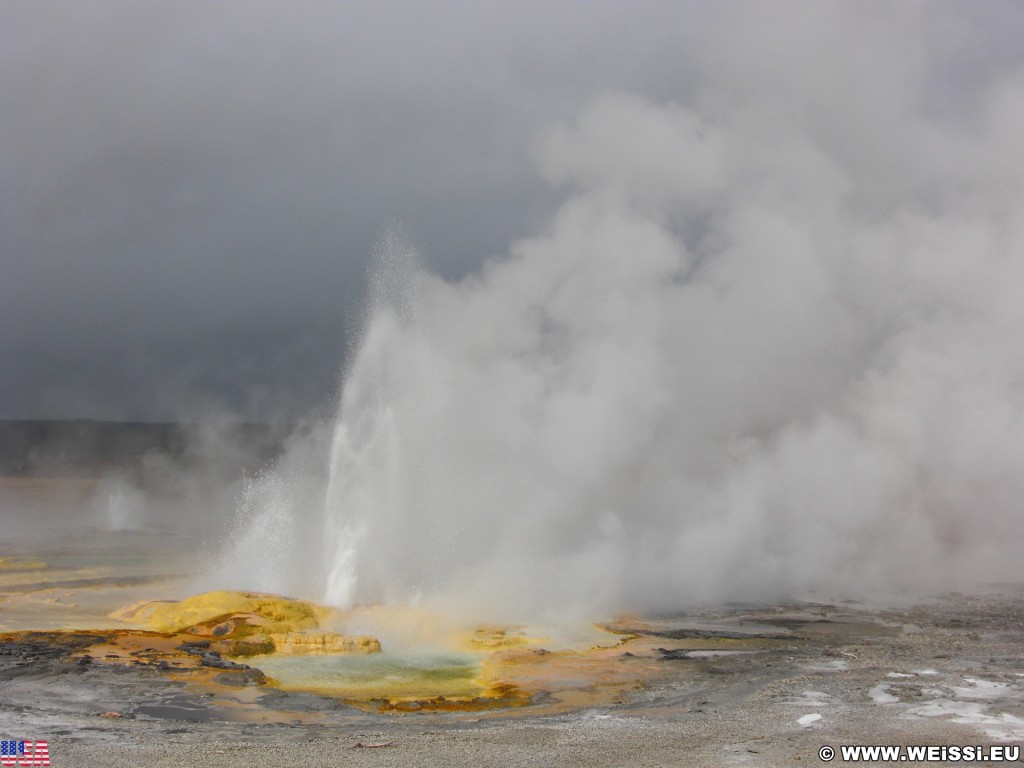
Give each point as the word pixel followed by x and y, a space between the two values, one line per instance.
pixel 418 674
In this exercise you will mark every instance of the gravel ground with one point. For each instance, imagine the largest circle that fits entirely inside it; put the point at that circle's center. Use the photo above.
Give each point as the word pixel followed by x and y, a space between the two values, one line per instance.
pixel 948 670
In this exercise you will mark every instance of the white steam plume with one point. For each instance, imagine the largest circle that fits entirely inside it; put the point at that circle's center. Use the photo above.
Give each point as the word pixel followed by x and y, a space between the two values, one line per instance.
pixel 772 341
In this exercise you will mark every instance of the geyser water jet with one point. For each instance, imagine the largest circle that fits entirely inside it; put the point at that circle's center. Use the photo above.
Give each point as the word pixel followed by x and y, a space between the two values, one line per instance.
pixel 753 354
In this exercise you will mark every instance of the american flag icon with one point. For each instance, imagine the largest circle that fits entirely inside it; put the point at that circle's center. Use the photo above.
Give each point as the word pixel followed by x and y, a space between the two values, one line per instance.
pixel 24 753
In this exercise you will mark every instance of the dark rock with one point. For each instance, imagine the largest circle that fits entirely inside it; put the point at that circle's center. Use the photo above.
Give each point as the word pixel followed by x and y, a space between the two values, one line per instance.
pixel 214 660
pixel 673 654
pixel 302 702
pixel 255 645
pixel 239 678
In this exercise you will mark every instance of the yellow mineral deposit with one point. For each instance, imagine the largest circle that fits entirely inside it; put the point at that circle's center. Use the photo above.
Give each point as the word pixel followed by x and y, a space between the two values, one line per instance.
pixel 429 662
pixel 493 638
pixel 16 564
pixel 248 624
pixel 324 642
pixel 270 613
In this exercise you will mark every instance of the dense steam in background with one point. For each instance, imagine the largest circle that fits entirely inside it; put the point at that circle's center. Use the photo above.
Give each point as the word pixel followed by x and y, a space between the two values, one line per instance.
pixel 771 342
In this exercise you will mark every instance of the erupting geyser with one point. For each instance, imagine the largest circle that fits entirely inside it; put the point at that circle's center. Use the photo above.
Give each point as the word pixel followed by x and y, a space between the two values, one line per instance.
pixel 754 353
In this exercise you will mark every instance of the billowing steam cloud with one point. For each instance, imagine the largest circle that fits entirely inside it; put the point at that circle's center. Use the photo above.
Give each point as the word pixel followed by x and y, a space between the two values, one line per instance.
pixel 771 342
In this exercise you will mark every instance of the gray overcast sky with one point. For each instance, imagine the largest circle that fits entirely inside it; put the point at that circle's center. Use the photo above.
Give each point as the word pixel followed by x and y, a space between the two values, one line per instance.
pixel 191 191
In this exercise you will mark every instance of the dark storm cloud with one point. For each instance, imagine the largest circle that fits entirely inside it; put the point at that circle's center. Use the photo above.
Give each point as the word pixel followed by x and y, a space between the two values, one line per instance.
pixel 191 191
